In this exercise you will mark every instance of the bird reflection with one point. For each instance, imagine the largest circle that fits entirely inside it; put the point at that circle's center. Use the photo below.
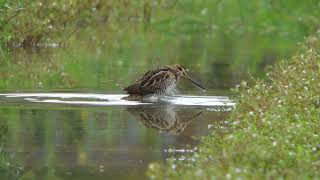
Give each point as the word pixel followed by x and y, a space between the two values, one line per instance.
pixel 166 119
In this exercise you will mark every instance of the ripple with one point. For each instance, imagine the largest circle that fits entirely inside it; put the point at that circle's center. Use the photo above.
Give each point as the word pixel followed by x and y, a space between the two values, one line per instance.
pixel 111 99
pixel 199 100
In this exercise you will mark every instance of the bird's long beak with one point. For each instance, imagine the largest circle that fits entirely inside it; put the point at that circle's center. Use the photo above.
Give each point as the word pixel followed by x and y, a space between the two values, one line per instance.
pixel 195 82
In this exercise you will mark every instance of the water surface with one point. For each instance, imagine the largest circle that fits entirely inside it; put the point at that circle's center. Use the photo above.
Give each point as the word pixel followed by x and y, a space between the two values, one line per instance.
pixel 61 113
pixel 94 135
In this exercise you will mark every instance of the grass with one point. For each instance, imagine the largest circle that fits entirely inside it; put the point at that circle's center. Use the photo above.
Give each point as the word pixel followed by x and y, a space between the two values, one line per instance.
pixel 223 40
pixel 273 132
pixel 28 23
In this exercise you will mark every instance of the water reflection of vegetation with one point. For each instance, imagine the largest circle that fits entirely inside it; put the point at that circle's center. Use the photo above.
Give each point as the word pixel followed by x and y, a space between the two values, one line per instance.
pixel 164 118
pixel 29 140
pixel 59 141
pixel 53 143
pixel 9 167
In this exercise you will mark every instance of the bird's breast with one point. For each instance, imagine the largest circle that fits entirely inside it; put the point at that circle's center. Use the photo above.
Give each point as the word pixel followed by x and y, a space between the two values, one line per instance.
pixel 170 87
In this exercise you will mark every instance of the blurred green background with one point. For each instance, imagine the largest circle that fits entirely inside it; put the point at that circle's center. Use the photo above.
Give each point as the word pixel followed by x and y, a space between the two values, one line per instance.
pixel 103 45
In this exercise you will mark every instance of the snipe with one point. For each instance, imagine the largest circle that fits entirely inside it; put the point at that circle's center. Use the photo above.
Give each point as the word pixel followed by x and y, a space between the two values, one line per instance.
pixel 161 81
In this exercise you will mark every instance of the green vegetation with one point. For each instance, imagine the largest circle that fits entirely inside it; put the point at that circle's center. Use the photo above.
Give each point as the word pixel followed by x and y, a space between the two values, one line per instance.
pixel 29 23
pixel 105 40
pixel 273 131
pixel 105 44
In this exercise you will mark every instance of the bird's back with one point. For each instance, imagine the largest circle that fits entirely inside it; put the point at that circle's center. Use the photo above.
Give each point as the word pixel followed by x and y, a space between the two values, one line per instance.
pixel 152 82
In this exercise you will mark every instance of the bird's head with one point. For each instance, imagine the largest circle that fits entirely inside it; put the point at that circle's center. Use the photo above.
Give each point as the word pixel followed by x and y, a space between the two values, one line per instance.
pixel 181 71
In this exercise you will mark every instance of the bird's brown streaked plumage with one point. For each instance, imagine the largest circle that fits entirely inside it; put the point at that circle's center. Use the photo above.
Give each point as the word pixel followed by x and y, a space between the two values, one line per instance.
pixel 161 81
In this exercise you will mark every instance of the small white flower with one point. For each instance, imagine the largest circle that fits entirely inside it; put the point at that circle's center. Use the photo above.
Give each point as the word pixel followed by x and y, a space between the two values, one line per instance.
pixel 204 11
pixel 237 170
pixel 274 143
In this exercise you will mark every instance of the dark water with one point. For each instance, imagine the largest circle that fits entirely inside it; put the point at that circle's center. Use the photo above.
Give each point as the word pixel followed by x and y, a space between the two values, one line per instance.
pixel 99 136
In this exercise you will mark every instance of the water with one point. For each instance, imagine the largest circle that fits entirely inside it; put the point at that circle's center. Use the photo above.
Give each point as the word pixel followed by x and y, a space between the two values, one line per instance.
pixel 61 113
pixel 82 135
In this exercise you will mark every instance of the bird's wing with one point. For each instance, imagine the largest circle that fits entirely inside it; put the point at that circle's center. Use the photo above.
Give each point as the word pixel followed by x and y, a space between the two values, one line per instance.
pixel 157 82
pixel 150 82
pixel 135 87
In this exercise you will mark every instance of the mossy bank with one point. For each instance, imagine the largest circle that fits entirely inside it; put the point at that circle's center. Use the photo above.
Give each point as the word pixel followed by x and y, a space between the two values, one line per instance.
pixel 273 131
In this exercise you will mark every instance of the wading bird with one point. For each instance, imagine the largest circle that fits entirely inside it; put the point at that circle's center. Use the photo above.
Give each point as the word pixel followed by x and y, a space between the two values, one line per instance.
pixel 161 81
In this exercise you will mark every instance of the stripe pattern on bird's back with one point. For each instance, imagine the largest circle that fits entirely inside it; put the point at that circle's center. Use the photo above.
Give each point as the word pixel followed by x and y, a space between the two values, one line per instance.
pixel 159 81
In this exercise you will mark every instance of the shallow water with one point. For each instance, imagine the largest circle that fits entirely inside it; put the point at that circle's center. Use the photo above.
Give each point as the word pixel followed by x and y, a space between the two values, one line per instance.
pixel 75 126
pixel 81 135
pixel 112 99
